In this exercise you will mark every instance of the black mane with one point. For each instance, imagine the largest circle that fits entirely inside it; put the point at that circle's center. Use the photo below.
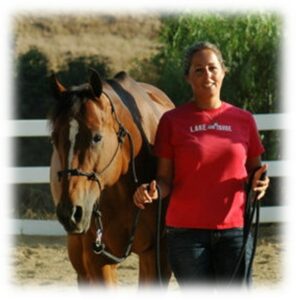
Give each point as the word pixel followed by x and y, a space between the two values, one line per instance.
pixel 69 102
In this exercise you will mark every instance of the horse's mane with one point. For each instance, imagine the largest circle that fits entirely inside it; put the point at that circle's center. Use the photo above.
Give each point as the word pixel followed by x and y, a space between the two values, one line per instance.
pixel 68 104
pixel 129 101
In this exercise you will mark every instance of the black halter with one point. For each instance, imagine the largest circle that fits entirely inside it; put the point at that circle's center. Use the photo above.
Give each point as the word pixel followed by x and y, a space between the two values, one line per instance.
pixel 99 247
pixel 76 172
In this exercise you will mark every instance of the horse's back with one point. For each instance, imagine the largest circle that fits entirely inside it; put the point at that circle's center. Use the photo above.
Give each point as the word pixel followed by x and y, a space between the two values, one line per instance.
pixel 151 102
pixel 157 96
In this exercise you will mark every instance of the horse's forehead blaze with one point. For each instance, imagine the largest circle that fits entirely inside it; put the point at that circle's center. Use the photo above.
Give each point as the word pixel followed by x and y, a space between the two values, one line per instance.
pixel 73 131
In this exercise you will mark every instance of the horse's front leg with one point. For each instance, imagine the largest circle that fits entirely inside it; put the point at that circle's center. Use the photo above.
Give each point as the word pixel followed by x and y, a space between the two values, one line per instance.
pixel 98 270
pixel 75 253
pixel 90 268
pixel 100 274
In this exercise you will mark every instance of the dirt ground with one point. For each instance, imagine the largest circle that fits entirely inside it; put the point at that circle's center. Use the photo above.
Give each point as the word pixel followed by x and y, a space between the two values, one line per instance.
pixel 38 261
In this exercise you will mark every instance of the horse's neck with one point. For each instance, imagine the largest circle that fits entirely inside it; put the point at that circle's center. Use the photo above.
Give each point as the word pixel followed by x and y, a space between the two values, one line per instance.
pixel 124 102
pixel 126 99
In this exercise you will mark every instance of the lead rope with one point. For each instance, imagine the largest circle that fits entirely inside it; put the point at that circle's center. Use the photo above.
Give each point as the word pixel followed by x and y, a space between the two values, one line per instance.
pixel 250 212
pixel 158 236
pixel 100 248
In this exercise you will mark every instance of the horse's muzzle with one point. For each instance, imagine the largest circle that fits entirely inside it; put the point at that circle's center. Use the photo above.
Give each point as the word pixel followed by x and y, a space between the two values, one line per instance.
pixel 70 217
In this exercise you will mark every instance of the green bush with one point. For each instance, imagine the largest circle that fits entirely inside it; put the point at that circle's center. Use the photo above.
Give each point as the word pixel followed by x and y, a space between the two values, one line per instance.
pixel 76 71
pixel 250 45
pixel 32 88
pixel 33 97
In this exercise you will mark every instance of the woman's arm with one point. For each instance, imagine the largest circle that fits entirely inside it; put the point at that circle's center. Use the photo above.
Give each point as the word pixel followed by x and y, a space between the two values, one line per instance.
pixel 147 192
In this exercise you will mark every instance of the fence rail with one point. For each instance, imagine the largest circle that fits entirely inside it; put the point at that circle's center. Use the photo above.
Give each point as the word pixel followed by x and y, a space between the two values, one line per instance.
pixel 37 128
pixel 37 175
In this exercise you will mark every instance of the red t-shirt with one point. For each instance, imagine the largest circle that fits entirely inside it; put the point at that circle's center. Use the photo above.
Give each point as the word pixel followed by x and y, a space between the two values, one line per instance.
pixel 209 149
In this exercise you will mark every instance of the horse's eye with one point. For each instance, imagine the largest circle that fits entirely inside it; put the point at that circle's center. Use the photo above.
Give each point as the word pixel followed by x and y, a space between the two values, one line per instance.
pixel 96 138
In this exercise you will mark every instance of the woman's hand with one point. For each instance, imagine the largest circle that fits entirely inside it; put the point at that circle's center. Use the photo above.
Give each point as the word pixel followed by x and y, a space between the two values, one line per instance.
pixel 260 186
pixel 145 193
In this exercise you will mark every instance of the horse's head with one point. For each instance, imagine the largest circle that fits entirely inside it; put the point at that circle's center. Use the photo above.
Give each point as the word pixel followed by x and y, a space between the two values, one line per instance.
pixel 87 139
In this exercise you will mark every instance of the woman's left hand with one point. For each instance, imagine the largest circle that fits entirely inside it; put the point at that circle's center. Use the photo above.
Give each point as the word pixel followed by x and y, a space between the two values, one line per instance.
pixel 260 186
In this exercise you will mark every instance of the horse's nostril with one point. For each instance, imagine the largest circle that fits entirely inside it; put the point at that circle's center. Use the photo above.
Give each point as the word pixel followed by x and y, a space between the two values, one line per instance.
pixel 77 214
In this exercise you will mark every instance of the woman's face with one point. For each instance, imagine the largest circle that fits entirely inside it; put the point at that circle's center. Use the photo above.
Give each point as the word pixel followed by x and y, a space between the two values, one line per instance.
pixel 205 75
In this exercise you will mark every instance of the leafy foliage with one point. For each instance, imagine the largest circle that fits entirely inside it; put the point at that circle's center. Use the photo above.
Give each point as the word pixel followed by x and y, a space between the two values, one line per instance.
pixel 31 85
pixel 249 43
pixel 33 97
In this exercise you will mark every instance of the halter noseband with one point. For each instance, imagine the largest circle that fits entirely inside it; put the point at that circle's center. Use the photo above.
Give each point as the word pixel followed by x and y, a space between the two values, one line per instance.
pixel 76 172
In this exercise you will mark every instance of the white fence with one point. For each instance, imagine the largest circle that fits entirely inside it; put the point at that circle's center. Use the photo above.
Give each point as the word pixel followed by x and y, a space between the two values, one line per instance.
pixel 39 128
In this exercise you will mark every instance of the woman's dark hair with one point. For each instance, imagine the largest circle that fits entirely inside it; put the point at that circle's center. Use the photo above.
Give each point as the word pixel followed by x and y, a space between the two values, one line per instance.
pixel 198 46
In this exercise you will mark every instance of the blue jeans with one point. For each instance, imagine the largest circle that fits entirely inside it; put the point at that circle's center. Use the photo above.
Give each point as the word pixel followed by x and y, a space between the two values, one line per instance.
pixel 207 256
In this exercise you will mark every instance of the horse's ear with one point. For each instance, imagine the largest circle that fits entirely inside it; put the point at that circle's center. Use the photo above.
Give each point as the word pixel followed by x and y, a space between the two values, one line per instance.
pixel 57 88
pixel 95 82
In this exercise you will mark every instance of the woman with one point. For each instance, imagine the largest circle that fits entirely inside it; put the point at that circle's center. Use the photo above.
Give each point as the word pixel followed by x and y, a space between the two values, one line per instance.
pixel 206 150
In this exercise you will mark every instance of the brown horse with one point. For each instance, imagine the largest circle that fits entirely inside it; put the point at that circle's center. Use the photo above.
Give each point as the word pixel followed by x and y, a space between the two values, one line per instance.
pixel 102 134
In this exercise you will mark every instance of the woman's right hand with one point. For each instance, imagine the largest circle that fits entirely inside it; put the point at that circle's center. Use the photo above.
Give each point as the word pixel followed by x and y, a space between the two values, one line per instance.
pixel 145 193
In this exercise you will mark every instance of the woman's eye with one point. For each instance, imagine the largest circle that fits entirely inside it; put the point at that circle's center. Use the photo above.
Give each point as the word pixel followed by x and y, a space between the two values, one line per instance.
pixel 199 70
pixel 96 138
